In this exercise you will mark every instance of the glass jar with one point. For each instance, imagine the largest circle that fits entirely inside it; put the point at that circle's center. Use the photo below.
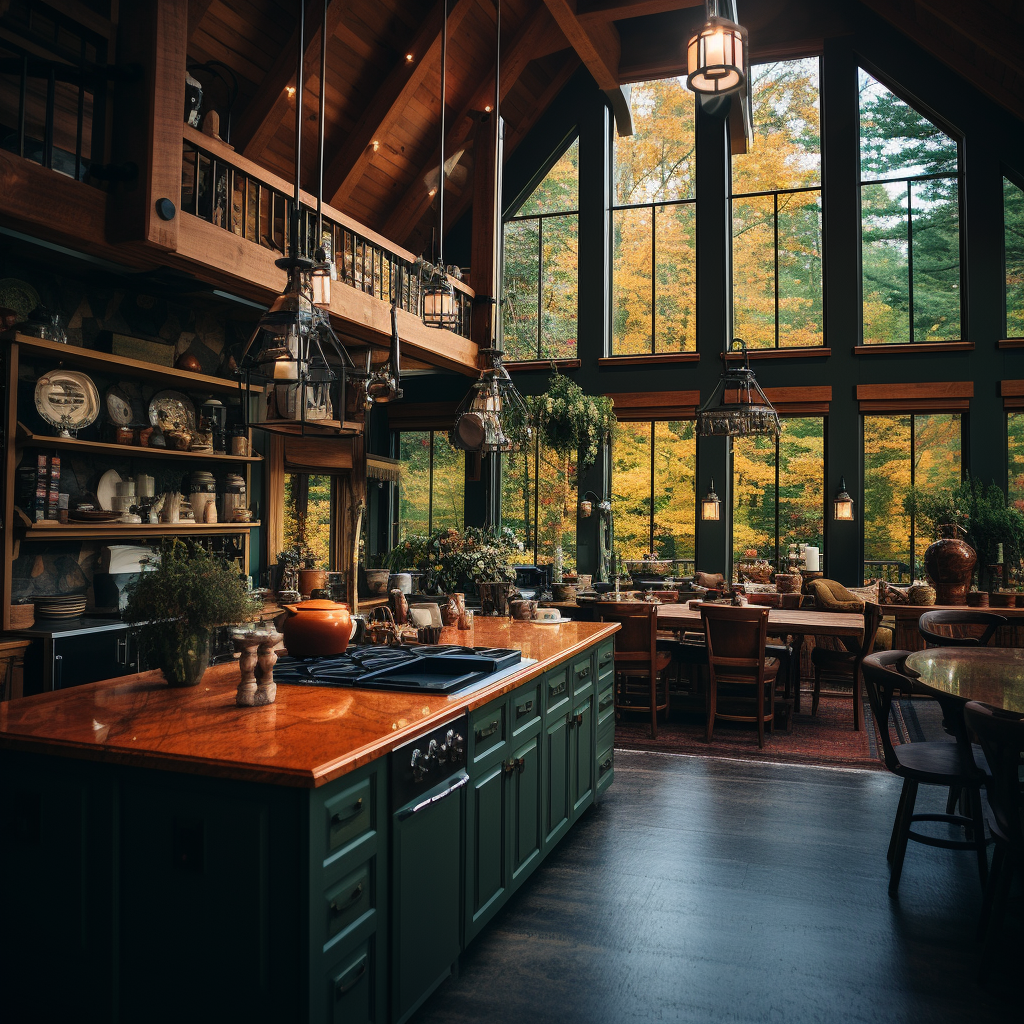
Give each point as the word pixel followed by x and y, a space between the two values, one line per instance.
pixel 233 497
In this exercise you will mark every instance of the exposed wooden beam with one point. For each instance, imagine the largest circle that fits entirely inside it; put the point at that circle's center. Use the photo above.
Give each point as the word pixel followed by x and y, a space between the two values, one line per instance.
pixel 349 165
pixel 997 32
pixel 597 43
pixel 409 210
pixel 596 12
pixel 196 12
pixel 271 104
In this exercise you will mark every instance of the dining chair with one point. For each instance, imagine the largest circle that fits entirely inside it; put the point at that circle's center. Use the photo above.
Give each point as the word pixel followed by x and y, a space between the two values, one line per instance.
pixel 735 639
pixel 847 663
pixel 963 628
pixel 1001 736
pixel 931 763
pixel 637 658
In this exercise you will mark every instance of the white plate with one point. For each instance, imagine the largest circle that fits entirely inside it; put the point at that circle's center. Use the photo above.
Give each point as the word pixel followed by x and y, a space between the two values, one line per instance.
pixel 106 489
pixel 549 622
pixel 67 399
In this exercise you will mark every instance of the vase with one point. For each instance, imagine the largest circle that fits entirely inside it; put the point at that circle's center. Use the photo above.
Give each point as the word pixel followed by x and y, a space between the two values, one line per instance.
pixel 950 562
pixel 187 667
pixel 312 579
pixel 495 597
pixel 454 605
pixel 316 629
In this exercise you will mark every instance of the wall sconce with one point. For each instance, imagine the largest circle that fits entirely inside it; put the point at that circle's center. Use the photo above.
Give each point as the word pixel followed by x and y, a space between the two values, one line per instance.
pixel 710 505
pixel 586 506
pixel 843 504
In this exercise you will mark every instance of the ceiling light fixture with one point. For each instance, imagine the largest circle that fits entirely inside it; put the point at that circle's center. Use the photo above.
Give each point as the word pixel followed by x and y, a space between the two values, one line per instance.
pixel 286 355
pixel 716 55
pixel 737 407
pixel 842 506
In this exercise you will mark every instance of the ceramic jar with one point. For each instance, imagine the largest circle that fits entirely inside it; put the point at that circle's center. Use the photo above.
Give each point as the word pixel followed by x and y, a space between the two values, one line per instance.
pixel 312 579
pixel 203 491
pixel 950 563
pixel 316 629
pixel 453 607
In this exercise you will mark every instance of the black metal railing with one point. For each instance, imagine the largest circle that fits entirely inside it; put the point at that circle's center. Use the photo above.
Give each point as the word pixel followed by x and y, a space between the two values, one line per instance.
pixel 230 198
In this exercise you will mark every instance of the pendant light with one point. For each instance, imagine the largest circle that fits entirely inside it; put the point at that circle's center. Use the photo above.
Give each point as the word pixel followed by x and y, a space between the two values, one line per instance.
pixel 716 55
pixel 493 416
pixel 286 356
pixel 440 308
pixel 324 270
pixel 385 383
pixel 737 407
pixel 710 505
pixel 842 506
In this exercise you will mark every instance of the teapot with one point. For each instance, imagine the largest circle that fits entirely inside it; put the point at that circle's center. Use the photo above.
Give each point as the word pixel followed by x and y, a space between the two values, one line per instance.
pixel 316 629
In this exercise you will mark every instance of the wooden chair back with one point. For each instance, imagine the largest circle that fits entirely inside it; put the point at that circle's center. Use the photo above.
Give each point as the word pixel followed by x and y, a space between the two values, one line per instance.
pixel 636 642
pixel 1001 735
pixel 735 639
pixel 952 628
pixel 883 676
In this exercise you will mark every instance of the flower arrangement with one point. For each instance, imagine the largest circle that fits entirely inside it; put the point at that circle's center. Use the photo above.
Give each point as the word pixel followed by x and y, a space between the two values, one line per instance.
pixel 572 423
pixel 479 554
pixel 413 553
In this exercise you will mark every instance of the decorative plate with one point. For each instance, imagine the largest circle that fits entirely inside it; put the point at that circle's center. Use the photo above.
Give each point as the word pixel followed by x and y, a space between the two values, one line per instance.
pixel 119 406
pixel 19 296
pixel 170 409
pixel 106 489
pixel 68 400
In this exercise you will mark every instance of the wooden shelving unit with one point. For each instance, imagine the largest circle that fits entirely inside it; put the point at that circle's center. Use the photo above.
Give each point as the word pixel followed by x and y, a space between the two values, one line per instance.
pixel 127 450
pixel 127 531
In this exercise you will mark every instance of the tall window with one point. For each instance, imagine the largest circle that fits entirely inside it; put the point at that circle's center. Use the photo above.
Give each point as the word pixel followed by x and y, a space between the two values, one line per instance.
pixel 654 471
pixel 778 490
pixel 901 452
pixel 654 277
pixel 541 266
pixel 538 501
pixel 776 212
pixel 1015 458
pixel 910 222
pixel 309 514
pixel 431 495
pixel 1013 254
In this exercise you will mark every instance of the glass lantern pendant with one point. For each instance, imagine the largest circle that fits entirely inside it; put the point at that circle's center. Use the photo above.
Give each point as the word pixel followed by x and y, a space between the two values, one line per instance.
pixel 738 407
pixel 440 308
pixel 843 504
pixel 710 506
pixel 716 56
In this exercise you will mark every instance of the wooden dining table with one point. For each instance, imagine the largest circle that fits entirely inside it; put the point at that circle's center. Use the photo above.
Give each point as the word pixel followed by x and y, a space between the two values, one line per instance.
pixel 794 622
pixel 992 675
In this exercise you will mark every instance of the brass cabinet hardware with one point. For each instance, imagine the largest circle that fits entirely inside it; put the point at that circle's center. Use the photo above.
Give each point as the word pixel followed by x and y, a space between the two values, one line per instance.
pixel 339 819
pixel 490 730
pixel 353 897
pixel 524 709
pixel 344 988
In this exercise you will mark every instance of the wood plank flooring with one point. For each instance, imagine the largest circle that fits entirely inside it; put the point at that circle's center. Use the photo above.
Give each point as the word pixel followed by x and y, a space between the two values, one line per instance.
pixel 726 891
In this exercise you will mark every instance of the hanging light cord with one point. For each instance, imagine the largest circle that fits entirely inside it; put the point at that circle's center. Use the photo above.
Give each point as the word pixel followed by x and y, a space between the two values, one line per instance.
pixel 294 239
pixel 320 253
pixel 440 177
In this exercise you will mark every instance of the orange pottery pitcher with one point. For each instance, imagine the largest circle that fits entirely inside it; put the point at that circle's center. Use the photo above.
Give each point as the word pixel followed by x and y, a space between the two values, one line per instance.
pixel 316 629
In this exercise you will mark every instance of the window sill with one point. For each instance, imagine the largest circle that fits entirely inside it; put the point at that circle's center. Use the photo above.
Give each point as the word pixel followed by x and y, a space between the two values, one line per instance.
pixel 902 350
pixel 1010 343
pixel 817 352
pixel 652 359
pixel 544 364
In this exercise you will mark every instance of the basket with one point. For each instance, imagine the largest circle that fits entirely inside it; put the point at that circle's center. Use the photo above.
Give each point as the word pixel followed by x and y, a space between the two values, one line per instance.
pixel 22 616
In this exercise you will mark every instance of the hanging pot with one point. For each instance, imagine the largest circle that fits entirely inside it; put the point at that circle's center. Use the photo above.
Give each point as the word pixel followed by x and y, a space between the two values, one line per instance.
pixel 950 563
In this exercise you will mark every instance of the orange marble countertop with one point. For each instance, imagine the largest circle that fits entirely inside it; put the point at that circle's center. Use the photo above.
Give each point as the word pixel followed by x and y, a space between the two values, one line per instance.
pixel 310 736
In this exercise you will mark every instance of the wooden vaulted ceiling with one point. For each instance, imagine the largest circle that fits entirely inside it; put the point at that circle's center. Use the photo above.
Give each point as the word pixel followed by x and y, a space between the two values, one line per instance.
pixel 382 109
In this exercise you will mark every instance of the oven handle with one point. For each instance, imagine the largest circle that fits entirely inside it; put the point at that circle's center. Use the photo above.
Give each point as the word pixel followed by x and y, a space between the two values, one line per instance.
pixel 407 812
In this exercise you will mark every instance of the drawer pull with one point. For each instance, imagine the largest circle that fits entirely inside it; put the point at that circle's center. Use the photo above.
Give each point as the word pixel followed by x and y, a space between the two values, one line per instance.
pixel 582 673
pixel 515 764
pixel 605 765
pixel 554 689
pixel 579 718
pixel 344 987
pixel 340 819
pixel 606 701
pixel 353 897
pixel 488 730
pixel 524 709
pixel 570 721
pixel 606 661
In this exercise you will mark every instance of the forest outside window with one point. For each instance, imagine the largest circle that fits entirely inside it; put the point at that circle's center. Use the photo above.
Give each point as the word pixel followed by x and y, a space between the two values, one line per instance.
pixel 778 488
pixel 538 502
pixel 1015 458
pixel 431 495
pixel 910 223
pixel 309 503
pixel 654 275
pixel 776 212
pixel 1013 257
pixel 541 267
pixel 654 492
pixel 901 452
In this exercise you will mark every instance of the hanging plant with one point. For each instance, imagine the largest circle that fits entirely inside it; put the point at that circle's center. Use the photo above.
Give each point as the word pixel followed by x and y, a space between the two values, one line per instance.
pixel 570 422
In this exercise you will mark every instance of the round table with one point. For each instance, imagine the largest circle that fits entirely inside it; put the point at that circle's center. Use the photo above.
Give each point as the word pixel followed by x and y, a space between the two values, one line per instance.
pixel 992 675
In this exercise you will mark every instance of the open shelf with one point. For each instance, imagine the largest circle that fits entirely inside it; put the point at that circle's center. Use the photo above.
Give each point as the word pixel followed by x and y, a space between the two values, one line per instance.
pixel 128 451
pixel 114 531
pixel 74 355
pixel 319 428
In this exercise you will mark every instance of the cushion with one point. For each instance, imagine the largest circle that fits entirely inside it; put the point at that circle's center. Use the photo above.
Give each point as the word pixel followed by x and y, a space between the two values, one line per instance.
pixel 834 597
pixel 883 639
pixel 888 594
pixel 710 580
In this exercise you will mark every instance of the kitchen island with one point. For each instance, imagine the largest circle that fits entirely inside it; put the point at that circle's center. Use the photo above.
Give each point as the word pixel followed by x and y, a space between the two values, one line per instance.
pixel 168 855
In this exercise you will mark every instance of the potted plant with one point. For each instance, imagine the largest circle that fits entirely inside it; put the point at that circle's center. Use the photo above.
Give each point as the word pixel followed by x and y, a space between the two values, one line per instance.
pixel 178 604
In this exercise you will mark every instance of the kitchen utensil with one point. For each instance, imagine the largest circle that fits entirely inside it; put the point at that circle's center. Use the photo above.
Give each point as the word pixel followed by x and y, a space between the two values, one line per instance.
pixel 68 400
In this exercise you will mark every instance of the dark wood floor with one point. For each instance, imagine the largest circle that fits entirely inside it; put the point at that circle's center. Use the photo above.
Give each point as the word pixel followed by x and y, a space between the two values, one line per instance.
pixel 710 890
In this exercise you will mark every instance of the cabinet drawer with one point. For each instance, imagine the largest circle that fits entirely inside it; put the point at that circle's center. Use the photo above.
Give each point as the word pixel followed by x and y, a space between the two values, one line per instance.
pixel 605 703
pixel 347 901
pixel 350 988
pixel 525 708
pixel 605 661
pixel 556 694
pixel 348 816
pixel 582 673
pixel 488 731
pixel 605 767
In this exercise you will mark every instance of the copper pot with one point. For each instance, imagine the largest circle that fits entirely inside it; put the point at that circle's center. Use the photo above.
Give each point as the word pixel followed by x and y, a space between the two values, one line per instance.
pixel 950 563
pixel 316 629
pixel 312 579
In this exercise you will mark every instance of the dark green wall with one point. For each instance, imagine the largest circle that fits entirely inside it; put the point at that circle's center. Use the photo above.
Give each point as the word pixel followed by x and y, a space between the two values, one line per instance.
pixel 992 142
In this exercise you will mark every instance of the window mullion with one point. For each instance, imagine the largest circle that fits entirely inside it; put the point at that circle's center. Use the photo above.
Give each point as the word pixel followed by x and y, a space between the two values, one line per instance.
pixel 910 259
pixel 540 281
pixel 775 205
pixel 654 274
pixel 650 546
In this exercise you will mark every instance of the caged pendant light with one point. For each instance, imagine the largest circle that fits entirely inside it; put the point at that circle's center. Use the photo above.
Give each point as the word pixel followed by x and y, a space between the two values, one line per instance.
pixel 493 416
pixel 737 407
pixel 286 355
pixel 440 308
pixel 716 55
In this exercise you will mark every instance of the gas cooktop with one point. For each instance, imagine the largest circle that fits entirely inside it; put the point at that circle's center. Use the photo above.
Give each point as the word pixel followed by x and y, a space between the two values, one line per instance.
pixel 444 668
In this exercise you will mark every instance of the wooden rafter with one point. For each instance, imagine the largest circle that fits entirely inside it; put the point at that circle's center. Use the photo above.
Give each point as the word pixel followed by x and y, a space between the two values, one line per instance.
pixel 349 165
pixel 196 12
pixel 596 42
pixel 407 213
pixel 603 11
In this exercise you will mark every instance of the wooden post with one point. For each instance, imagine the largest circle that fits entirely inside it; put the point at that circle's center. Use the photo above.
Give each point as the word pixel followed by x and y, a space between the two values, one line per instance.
pixel 485 246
